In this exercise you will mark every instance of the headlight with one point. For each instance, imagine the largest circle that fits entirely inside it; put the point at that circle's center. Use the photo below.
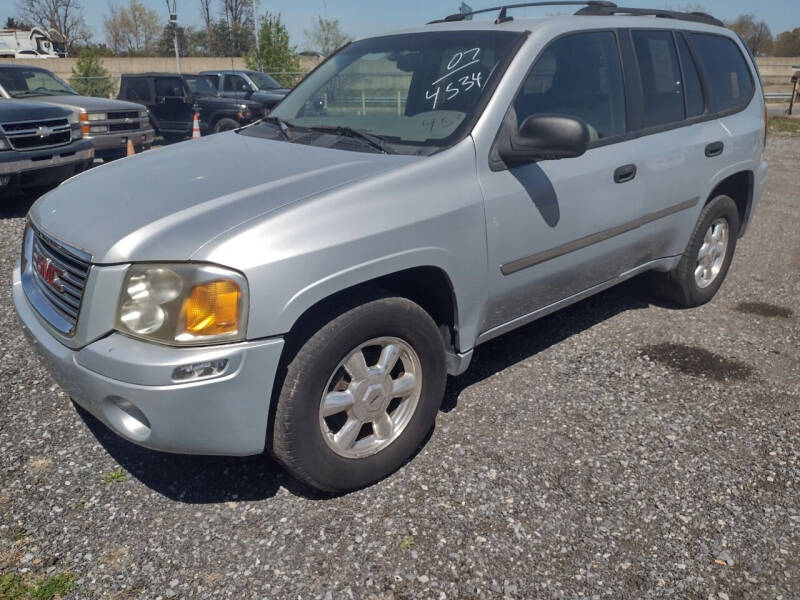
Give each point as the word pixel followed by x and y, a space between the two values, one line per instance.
pixel 76 132
pixel 143 114
pixel 98 116
pixel 98 129
pixel 183 304
pixel 3 144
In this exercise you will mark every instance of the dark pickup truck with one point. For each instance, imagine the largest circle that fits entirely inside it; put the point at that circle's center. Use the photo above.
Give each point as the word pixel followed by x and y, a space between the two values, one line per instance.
pixel 248 85
pixel 172 100
pixel 39 146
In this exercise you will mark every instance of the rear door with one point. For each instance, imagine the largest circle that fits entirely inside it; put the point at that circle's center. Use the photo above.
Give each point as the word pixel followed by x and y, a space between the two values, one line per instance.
pixel 173 112
pixel 674 137
pixel 557 228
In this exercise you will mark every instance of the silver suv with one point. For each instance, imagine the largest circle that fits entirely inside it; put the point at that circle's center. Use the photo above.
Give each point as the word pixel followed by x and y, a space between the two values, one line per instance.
pixel 305 284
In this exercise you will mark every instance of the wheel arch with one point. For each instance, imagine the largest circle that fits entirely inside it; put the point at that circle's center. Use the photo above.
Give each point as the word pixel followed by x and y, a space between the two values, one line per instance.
pixel 739 186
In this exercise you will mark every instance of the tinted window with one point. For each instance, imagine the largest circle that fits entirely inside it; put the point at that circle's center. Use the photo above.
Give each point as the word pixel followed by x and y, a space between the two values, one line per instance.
pixel 166 86
pixel 579 76
pixel 213 79
pixel 234 83
pixel 691 81
pixel 137 89
pixel 661 77
pixel 729 80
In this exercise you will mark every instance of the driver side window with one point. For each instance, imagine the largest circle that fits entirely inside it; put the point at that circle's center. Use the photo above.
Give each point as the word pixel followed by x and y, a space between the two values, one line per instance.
pixel 579 75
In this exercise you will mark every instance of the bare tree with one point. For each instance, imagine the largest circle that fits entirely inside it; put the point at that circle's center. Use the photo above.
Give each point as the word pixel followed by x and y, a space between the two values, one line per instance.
pixel 207 13
pixel 756 34
pixel 326 36
pixel 134 29
pixel 66 16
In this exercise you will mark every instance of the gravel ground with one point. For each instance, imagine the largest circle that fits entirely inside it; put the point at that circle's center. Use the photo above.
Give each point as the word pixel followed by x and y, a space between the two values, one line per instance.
pixel 618 449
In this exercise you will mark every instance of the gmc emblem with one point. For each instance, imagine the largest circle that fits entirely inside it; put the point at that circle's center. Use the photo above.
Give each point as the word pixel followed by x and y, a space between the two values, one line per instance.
pixel 49 272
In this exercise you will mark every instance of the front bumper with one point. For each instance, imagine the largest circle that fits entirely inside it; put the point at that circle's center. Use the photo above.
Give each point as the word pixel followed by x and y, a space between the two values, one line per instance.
pixel 41 167
pixel 114 143
pixel 127 384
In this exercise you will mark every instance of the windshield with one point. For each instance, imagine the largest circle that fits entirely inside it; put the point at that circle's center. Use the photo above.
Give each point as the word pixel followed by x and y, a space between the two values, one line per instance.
pixel 420 89
pixel 200 86
pixel 20 83
pixel 263 81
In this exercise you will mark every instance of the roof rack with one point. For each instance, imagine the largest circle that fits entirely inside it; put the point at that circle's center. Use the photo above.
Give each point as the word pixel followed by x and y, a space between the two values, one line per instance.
pixel 697 17
pixel 503 17
pixel 592 8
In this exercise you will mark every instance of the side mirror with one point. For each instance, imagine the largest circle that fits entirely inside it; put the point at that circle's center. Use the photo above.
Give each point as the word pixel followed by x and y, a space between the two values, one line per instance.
pixel 546 137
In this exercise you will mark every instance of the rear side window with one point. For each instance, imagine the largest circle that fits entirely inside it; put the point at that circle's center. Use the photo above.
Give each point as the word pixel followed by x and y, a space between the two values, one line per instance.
pixel 660 71
pixel 730 83
pixel 579 75
pixel 695 105
pixel 137 89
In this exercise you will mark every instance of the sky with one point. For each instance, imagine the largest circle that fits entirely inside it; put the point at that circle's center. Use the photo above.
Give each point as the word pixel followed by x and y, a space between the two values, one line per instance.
pixel 361 18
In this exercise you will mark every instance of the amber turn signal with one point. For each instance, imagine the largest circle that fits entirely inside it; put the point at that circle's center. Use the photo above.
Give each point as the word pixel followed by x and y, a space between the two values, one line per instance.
pixel 212 308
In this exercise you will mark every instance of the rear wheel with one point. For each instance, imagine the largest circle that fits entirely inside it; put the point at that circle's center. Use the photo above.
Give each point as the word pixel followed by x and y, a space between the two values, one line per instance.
pixel 708 256
pixel 360 395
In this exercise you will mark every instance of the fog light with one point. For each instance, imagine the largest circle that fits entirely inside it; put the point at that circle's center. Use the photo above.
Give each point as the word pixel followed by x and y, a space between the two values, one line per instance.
pixel 201 370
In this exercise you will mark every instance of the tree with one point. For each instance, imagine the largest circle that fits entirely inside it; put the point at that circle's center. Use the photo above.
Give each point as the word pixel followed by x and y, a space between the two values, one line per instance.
pixel 788 43
pixel 273 53
pixel 326 36
pixel 756 34
pixel 133 29
pixel 210 43
pixel 66 16
pixel 12 23
pixel 190 42
pixel 89 77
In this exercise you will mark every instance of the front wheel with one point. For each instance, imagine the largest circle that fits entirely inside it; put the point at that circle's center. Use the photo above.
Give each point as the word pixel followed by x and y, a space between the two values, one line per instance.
pixel 225 125
pixel 708 256
pixel 360 395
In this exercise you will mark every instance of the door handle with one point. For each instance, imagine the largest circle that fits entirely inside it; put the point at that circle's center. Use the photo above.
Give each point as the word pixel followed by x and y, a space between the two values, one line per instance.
pixel 624 174
pixel 714 149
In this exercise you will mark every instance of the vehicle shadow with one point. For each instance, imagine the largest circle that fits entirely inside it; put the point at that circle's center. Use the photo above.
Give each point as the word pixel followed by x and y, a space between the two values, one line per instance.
pixel 17 204
pixel 507 350
pixel 212 479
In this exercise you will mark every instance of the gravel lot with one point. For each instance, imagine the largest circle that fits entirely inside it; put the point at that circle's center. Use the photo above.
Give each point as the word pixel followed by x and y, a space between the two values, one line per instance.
pixel 618 449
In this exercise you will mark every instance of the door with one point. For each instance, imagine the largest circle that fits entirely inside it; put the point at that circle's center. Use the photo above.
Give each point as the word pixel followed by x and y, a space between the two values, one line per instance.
pixel 234 86
pixel 556 228
pixel 173 112
pixel 677 144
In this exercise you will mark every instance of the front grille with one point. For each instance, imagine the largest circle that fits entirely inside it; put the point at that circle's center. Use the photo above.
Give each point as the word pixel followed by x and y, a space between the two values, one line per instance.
pixel 34 135
pixel 132 114
pixel 124 126
pixel 59 273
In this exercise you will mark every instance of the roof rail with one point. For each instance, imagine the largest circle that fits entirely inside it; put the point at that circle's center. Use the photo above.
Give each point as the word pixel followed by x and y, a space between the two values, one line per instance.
pixel 502 17
pixel 697 17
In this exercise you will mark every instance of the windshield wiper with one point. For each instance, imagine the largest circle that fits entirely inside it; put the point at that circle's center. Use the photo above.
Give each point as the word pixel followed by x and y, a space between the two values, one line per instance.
pixel 282 125
pixel 33 93
pixel 373 140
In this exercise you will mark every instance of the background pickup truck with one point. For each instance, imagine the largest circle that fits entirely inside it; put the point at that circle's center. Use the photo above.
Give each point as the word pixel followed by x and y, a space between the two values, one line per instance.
pixel 172 99
pixel 248 85
pixel 39 147
pixel 110 124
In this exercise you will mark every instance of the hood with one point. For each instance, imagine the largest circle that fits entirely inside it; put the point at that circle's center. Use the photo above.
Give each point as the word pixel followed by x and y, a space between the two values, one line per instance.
pixel 89 104
pixel 164 204
pixel 22 110
pixel 222 102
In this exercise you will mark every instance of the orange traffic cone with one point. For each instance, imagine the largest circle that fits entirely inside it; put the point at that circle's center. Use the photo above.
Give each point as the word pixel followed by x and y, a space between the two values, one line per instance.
pixel 196 126
pixel 130 150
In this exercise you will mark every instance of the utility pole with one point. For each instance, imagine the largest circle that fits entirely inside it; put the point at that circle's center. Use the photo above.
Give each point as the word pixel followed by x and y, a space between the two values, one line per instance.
pixel 255 30
pixel 172 9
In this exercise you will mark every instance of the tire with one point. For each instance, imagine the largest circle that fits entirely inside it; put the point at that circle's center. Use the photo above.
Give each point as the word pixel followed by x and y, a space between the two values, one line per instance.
pixel 225 125
pixel 682 285
pixel 304 440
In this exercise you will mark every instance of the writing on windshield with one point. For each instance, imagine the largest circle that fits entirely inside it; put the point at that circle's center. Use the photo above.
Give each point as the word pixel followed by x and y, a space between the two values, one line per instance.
pixel 463 74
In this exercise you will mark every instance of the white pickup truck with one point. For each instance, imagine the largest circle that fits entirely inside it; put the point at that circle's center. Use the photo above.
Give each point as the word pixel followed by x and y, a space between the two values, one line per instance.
pixel 35 43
